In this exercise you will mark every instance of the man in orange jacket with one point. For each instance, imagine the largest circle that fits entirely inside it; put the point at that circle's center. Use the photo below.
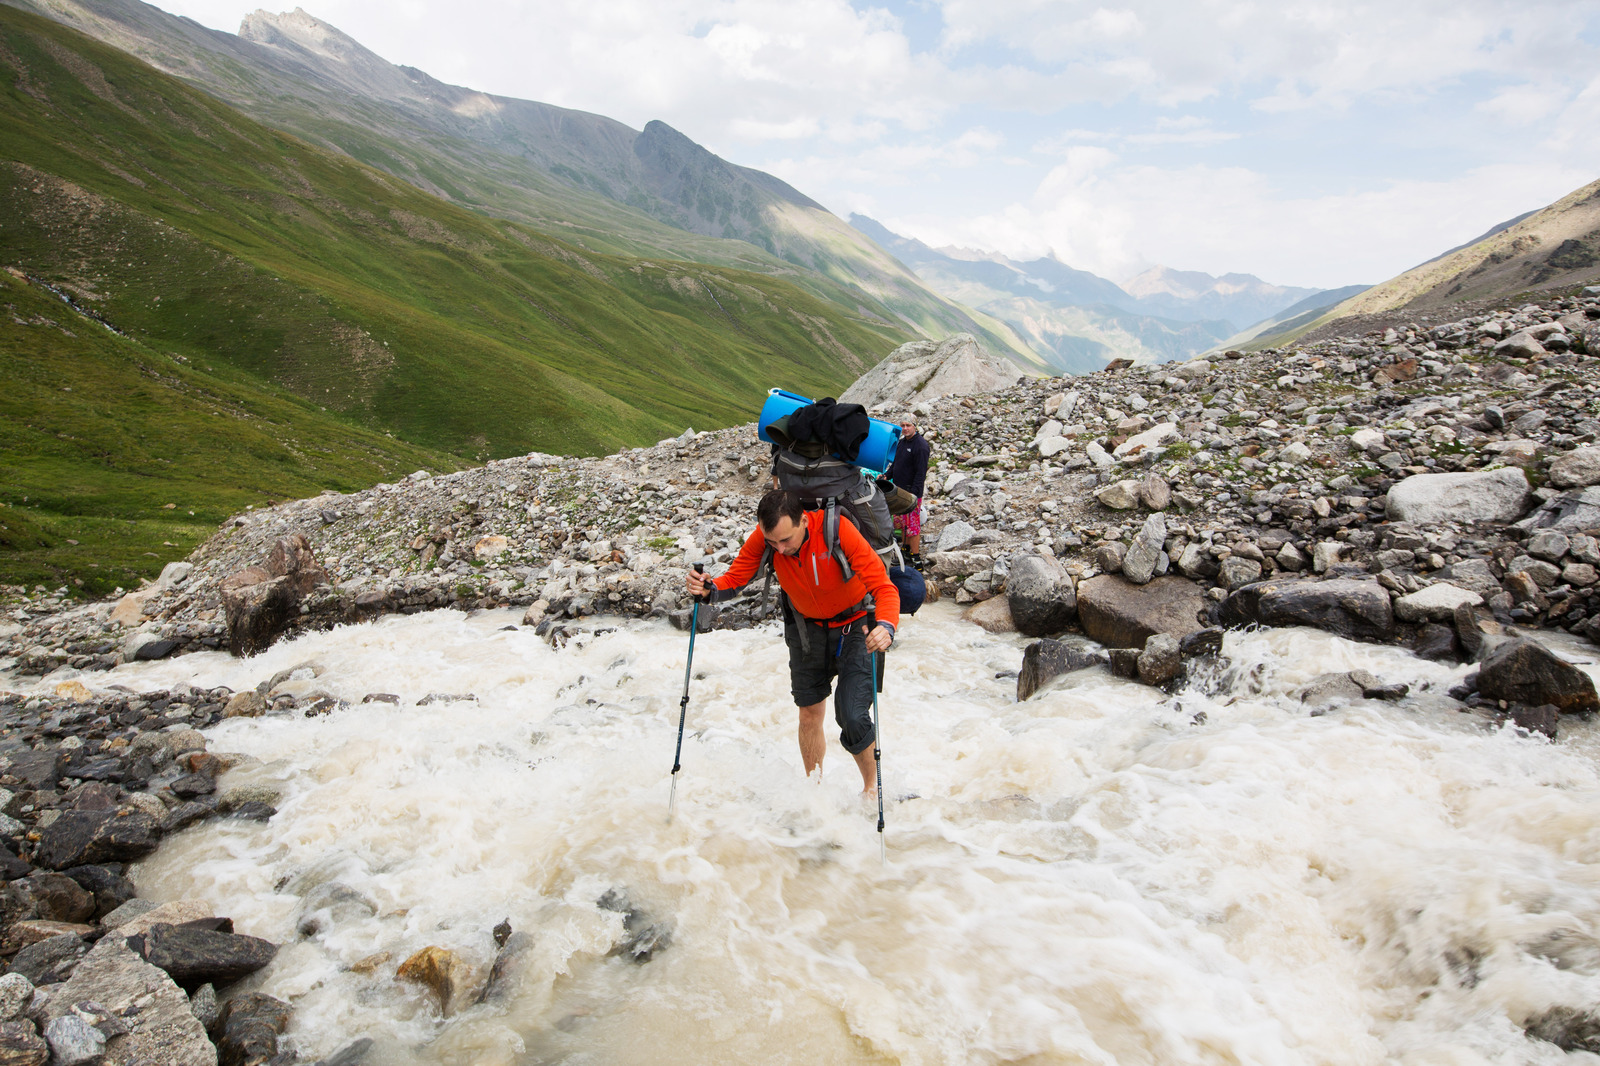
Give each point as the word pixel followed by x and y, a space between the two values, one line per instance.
pixel 826 619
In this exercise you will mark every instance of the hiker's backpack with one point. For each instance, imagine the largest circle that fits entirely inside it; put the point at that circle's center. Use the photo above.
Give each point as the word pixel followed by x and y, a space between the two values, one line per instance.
pixel 824 451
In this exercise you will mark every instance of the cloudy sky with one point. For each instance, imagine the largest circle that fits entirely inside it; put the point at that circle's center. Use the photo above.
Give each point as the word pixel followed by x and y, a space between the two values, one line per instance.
pixel 1319 143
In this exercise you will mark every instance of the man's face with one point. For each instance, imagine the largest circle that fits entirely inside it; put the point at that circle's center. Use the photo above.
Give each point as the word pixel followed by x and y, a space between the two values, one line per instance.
pixel 908 430
pixel 786 537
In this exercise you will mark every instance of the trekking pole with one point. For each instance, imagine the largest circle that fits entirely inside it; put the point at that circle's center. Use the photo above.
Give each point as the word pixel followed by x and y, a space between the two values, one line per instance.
pixel 683 704
pixel 877 751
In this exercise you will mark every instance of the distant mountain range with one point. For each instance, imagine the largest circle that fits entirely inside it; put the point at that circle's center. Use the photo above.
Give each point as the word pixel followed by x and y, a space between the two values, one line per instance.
pixel 1078 320
pixel 588 180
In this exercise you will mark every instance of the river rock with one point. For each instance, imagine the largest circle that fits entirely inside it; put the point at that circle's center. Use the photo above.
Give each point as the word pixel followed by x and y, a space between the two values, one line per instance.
pixel 1329 690
pixel 1353 608
pixel 29 931
pixel 39 770
pixel 1160 661
pixel 81 838
pixel 510 962
pixel 1040 595
pixel 1158 435
pixel 442 972
pixel 21 1044
pixel 57 897
pixel 1139 565
pixel 259 614
pixel 161 1028
pixel 193 955
pixel 1044 660
pixel 1524 671
pixel 1237 570
pixel 15 992
pixel 1119 496
pixel 1501 495
pixel 956 563
pixel 248 1028
pixel 1473 575
pixel 1574 511
pixel 992 615
pixel 246 704
pixel 1436 603
pixel 51 960
pixel 1576 469
pixel 954 537
pixel 1120 614
pixel 74 1042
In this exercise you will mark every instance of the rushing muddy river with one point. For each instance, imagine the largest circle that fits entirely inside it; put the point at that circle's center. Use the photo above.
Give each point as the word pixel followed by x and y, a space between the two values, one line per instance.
pixel 1105 874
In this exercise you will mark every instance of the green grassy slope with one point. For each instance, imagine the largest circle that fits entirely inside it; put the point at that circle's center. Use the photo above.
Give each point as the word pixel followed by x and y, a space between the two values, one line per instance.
pixel 99 434
pixel 584 178
pixel 282 311
pixel 186 223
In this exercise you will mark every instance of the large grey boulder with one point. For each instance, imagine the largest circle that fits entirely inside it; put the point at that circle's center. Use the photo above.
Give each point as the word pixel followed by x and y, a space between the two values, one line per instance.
pixel 1523 671
pixel 927 370
pixel 1353 608
pixel 1120 614
pixel 1041 595
pixel 1501 495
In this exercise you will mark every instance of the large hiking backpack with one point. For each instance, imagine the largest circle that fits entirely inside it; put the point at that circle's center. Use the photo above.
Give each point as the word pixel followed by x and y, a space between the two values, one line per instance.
pixel 817 450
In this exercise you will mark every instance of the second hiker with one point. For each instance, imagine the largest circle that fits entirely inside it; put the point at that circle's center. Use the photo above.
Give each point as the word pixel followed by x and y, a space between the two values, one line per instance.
pixel 910 472
pixel 826 619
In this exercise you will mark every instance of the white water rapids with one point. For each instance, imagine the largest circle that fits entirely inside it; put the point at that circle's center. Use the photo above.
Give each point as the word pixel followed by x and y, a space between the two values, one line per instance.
pixel 1093 876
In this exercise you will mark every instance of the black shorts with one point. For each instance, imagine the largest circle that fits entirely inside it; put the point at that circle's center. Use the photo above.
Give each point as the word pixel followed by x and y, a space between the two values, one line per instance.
pixel 833 653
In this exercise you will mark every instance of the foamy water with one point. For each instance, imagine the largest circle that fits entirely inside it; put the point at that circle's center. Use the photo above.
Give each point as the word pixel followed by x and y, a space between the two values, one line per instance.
pixel 1104 874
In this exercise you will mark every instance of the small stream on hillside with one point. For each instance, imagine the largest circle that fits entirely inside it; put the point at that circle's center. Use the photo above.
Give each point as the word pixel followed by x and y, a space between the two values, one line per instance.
pixel 1105 874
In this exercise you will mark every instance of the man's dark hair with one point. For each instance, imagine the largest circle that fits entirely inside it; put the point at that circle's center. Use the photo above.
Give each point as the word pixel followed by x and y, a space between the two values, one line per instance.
pixel 779 503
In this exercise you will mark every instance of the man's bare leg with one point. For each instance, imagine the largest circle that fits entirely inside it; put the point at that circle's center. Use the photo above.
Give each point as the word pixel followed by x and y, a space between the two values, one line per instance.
pixel 812 742
pixel 869 771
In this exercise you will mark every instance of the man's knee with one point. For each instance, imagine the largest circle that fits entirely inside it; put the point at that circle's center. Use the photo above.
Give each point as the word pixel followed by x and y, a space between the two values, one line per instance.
pixel 812 716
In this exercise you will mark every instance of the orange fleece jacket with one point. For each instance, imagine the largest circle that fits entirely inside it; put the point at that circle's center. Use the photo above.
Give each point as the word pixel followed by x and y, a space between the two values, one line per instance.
pixel 813 580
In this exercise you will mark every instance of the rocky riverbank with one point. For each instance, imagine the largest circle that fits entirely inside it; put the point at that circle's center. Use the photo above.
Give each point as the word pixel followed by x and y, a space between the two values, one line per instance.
pixel 1323 461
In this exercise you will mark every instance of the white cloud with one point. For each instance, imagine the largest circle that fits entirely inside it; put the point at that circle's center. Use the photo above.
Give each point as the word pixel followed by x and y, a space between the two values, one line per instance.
pixel 1147 130
pixel 1098 213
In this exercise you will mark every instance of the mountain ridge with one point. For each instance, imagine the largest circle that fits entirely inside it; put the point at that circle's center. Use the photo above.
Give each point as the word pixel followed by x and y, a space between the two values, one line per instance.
pixel 580 177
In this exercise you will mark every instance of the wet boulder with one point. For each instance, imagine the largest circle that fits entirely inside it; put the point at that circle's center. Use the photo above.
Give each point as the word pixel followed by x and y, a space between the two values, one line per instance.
pixel 992 615
pixel 1119 614
pixel 1041 596
pixel 82 838
pixel 259 614
pixel 1161 660
pixel 248 1027
pixel 1524 671
pixel 1045 660
pixel 195 953
pixel 442 972
pixel 1348 607
pixel 510 961
pixel 1501 495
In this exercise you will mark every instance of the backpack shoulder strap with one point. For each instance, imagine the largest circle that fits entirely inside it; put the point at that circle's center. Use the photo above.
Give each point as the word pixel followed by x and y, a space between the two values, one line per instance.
pixel 830 537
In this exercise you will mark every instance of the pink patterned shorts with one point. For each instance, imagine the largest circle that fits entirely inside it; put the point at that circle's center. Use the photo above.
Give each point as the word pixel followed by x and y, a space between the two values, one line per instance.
pixel 911 522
